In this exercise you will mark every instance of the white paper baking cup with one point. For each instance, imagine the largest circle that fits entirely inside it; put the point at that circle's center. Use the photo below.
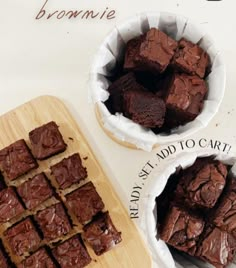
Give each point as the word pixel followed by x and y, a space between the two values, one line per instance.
pixel 161 254
pixel 123 129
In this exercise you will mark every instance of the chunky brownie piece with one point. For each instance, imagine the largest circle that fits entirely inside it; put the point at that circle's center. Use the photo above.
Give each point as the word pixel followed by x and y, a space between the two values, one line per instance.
pixel 69 171
pixel 190 58
pixel 22 237
pixel 144 108
pixel 156 51
pixel 40 259
pixel 202 184
pixel 85 202
pixel 46 141
pixel 182 230
pixel 16 160
pixel 72 253
pixel 101 234
pixel 53 222
pixel 10 206
pixel 217 247
pixel 185 96
pixel 34 191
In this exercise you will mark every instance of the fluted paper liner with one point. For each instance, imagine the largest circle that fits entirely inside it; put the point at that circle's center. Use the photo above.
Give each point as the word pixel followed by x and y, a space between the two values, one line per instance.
pixel 110 53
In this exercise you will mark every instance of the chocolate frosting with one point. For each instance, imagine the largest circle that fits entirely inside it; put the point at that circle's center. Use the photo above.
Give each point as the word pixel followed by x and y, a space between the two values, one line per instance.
pixel 16 160
pixel 72 253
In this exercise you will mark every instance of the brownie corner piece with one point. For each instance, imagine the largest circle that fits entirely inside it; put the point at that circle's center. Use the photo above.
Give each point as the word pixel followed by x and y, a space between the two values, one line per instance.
pixel 182 230
pixel 16 160
pixel 85 197
pixel 101 234
pixel 191 58
pixel 69 171
pixel 72 253
pixel 46 141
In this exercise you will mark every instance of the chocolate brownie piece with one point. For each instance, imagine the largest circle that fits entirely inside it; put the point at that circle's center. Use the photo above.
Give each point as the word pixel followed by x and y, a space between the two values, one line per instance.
pixel 35 191
pixel 53 222
pixel 190 58
pixel 16 160
pixel 46 141
pixel 22 237
pixel 182 230
pixel 72 254
pixel 10 206
pixel 101 234
pixel 217 247
pixel 156 51
pixel 85 202
pixel 202 184
pixel 144 108
pixel 185 96
pixel 69 171
pixel 40 259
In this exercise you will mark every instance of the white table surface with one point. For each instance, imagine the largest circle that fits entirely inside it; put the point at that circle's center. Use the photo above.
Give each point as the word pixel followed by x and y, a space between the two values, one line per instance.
pixel 53 57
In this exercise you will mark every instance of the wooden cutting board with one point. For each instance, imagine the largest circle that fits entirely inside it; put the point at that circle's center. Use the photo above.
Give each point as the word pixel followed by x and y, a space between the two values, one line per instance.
pixel 131 252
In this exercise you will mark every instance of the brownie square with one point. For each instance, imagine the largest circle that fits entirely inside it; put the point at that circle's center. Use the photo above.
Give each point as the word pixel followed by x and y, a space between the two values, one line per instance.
pixel 185 96
pixel 101 234
pixel 40 259
pixel 35 191
pixel 22 237
pixel 156 51
pixel 69 171
pixel 202 184
pixel 182 230
pixel 46 141
pixel 72 253
pixel 16 160
pixel 217 247
pixel 53 222
pixel 190 58
pixel 144 108
pixel 10 206
pixel 85 202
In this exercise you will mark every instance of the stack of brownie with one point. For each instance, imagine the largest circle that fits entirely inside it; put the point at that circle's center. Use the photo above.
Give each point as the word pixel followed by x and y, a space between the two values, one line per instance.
pixel 197 212
pixel 44 220
pixel 160 83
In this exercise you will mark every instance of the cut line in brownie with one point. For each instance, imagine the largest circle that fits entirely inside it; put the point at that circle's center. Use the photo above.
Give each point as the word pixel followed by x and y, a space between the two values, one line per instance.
pixel 16 160
pixel 84 202
pixel 69 171
pixel 10 205
pixel 46 141
pixel 22 237
pixel 35 191
pixel 72 253
pixel 101 234
pixel 4 259
pixel 53 222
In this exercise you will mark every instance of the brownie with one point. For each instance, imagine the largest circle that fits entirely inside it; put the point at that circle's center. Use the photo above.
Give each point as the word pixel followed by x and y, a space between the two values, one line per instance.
pixel 185 96
pixel 16 160
pixel 101 234
pixel 85 202
pixel 35 191
pixel 156 51
pixel 53 222
pixel 40 259
pixel 72 253
pixel 202 184
pixel 4 263
pixel 144 108
pixel 22 237
pixel 190 58
pixel 217 247
pixel 69 171
pixel 10 206
pixel 182 230
pixel 46 141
